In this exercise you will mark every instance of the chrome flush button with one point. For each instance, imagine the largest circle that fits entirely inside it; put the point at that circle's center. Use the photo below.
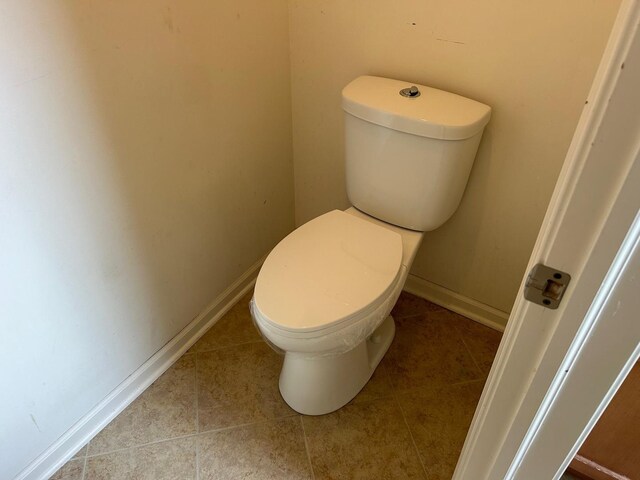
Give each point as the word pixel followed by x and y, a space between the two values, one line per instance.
pixel 410 92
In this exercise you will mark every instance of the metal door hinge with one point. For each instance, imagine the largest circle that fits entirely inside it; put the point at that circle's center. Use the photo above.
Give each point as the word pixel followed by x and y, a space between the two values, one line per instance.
pixel 546 286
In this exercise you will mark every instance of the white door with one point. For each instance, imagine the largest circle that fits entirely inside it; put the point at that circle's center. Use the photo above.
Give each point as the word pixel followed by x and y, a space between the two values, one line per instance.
pixel 556 370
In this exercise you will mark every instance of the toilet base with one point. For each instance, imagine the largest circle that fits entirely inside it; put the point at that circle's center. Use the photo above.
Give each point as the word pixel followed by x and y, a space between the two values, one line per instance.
pixel 320 385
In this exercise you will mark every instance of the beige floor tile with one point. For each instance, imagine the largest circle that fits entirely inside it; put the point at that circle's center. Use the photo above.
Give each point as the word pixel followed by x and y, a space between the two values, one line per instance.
pixel 409 305
pixel 439 418
pixel 239 385
pixel 482 341
pixel 362 441
pixel 257 436
pixel 234 328
pixel 262 451
pixel 172 460
pixel 119 433
pixel 428 349
pixel 72 470
pixel 378 386
pixel 165 410
pixel 82 452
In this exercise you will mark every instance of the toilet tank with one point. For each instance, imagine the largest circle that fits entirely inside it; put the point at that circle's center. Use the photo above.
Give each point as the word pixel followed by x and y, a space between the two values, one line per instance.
pixel 408 158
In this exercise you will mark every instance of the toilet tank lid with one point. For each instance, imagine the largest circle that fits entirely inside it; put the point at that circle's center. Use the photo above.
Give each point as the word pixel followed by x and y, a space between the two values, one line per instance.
pixel 434 113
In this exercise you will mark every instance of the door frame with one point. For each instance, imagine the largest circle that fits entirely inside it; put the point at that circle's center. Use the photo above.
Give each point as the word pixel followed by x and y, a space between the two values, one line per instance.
pixel 591 231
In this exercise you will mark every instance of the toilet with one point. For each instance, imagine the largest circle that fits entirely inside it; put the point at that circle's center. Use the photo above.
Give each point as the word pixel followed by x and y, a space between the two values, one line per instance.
pixel 324 293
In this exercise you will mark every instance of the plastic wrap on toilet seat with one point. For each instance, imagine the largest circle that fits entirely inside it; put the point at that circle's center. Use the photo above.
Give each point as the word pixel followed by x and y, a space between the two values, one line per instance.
pixel 329 342
pixel 273 346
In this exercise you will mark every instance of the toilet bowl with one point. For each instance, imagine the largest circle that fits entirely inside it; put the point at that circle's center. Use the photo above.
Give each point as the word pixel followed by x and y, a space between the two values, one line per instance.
pixel 324 294
pixel 343 272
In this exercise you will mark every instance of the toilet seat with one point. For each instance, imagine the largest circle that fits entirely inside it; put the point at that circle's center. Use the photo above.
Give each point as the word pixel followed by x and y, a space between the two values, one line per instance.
pixel 328 274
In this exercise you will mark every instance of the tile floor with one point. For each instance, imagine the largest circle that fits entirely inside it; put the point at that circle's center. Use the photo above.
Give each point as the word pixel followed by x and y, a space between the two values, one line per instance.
pixel 217 412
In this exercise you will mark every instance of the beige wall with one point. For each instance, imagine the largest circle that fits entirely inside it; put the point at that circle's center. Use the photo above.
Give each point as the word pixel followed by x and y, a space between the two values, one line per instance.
pixel 145 164
pixel 533 62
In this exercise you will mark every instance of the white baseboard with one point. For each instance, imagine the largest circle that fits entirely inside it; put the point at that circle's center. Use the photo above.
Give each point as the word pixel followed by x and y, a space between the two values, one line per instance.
pixel 468 307
pixel 88 426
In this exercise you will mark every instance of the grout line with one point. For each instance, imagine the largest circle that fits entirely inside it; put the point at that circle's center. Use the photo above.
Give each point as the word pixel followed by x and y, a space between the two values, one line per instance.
pixel 475 362
pixel 248 424
pixel 189 435
pixel 394 395
pixel 197 447
pixel 466 347
pixel 133 447
pixel 84 467
pixel 306 446
pixel 197 421
pixel 413 441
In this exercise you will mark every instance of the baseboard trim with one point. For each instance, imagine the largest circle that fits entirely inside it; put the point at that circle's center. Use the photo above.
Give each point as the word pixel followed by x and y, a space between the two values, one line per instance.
pixel 468 307
pixel 88 426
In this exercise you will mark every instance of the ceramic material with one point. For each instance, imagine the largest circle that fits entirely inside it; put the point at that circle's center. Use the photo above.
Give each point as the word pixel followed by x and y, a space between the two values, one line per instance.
pixel 324 294
pixel 408 159
pixel 240 453
pixel 326 365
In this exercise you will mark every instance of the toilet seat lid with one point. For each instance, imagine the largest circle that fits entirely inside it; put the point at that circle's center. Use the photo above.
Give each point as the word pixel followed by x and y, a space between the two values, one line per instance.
pixel 327 271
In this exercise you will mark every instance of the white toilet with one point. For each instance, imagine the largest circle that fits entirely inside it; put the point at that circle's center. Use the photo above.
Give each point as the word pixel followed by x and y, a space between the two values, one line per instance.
pixel 324 293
